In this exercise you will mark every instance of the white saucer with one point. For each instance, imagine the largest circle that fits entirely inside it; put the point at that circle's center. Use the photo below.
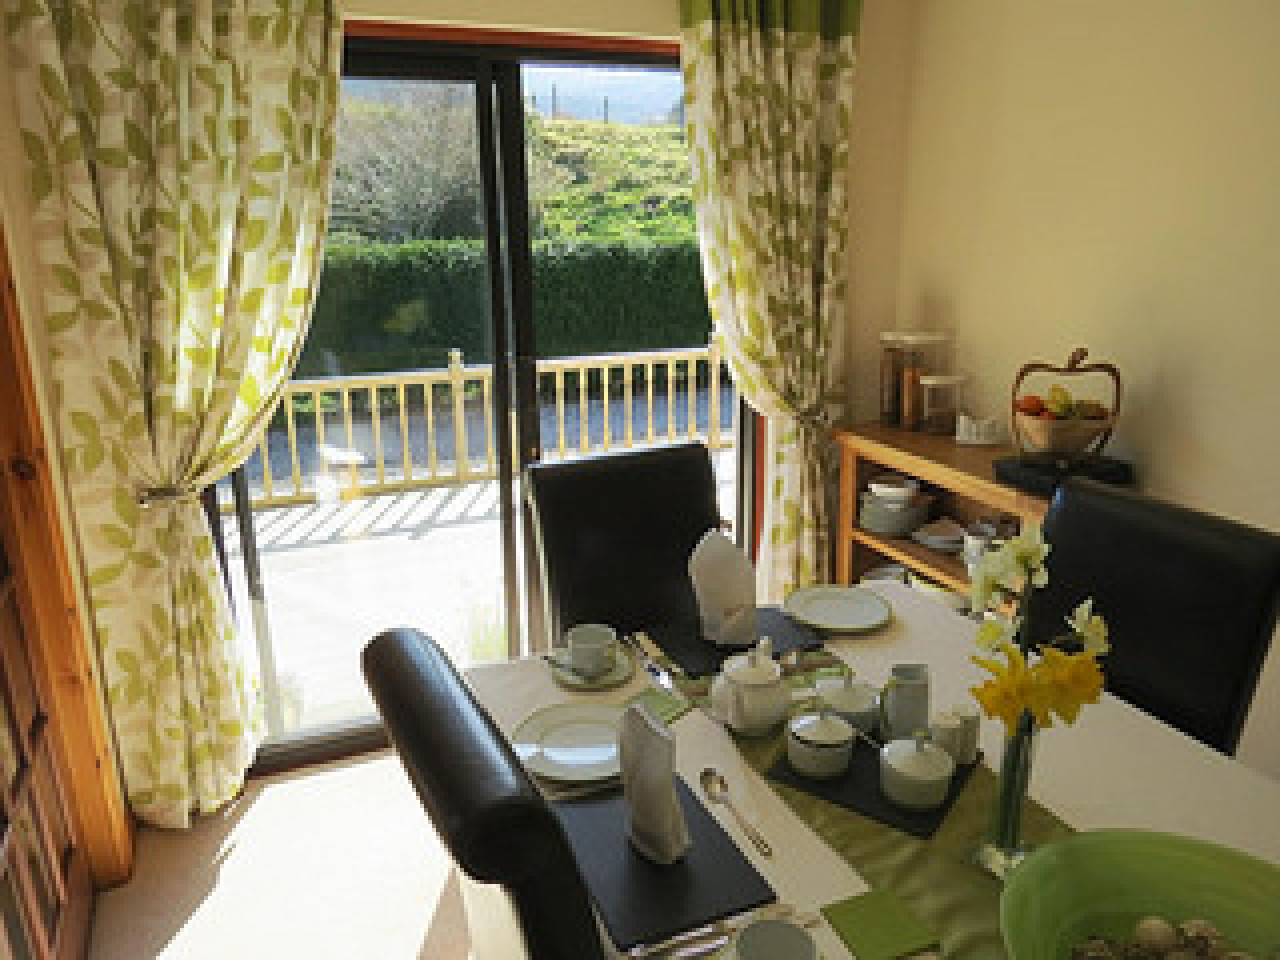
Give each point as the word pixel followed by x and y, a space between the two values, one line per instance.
pixel 621 671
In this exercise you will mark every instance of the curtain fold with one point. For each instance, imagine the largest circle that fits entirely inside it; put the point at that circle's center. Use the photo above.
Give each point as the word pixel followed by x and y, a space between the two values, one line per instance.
pixel 179 158
pixel 768 86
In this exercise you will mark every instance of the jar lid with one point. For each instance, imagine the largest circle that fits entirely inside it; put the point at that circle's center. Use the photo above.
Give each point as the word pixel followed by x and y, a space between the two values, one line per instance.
pixel 918 759
pixel 821 729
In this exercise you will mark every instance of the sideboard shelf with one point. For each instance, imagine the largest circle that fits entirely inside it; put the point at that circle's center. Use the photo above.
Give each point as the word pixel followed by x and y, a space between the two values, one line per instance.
pixel 962 477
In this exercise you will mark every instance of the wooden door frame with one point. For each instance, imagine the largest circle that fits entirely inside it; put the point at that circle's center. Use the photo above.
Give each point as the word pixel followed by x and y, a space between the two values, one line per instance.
pixel 60 651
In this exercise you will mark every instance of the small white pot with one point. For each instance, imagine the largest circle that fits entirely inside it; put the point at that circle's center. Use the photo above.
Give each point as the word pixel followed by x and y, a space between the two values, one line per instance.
pixel 915 773
pixel 819 745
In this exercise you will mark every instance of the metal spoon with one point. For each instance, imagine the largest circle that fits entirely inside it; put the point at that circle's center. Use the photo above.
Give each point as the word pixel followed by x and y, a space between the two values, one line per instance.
pixel 717 791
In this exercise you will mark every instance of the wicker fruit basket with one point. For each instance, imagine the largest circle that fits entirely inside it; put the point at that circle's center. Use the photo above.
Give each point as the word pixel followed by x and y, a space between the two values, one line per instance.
pixel 1070 436
pixel 1037 435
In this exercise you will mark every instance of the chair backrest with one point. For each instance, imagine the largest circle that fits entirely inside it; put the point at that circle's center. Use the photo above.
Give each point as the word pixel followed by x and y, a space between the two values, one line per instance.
pixel 494 822
pixel 1191 601
pixel 614 533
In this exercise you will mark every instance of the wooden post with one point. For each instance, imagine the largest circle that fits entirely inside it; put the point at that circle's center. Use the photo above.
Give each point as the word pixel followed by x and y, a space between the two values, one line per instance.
pixel 457 384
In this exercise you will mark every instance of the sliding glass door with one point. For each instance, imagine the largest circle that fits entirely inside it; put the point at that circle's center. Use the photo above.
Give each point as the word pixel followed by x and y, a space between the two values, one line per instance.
pixel 511 273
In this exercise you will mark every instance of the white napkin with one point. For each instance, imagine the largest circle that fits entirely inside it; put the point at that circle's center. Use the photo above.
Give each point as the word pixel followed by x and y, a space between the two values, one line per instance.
pixel 725 585
pixel 647 752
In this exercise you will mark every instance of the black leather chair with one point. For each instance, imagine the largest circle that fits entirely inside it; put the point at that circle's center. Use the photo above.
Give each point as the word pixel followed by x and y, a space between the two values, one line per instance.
pixel 1191 601
pixel 613 535
pixel 495 823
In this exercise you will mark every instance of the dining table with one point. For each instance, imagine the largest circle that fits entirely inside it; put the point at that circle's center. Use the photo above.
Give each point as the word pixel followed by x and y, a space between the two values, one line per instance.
pixel 1116 766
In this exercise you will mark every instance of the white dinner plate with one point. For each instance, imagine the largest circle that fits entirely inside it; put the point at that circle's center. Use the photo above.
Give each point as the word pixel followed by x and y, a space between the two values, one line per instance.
pixel 838 609
pixel 572 742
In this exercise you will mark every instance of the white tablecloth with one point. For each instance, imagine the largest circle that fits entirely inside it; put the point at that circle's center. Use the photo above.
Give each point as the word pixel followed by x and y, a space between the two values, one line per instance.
pixel 1116 767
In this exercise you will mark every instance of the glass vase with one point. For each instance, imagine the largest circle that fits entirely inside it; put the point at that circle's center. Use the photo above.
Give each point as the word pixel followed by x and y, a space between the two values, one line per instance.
pixel 1004 848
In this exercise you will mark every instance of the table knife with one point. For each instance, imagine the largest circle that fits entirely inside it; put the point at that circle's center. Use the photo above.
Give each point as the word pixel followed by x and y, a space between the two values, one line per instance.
pixel 661 675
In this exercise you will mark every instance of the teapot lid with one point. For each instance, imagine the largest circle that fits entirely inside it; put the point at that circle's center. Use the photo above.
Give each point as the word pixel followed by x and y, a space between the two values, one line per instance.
pixel 916 757
pixel 822 729
pixel 756 667
pixel 848 694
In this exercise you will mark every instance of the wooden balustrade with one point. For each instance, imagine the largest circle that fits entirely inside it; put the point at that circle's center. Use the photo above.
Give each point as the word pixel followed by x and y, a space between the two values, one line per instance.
pixel 426 407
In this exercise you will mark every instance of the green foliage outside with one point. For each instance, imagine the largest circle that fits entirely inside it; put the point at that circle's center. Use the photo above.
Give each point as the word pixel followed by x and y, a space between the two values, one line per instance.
pixel 615 260
pixel 388 307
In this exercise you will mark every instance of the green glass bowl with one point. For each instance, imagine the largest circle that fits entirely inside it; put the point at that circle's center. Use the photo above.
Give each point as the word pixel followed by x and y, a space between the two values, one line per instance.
pixel 1101 882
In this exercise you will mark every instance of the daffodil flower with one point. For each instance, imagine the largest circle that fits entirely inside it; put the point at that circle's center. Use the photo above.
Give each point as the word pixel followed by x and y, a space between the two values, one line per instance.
pixel 1070 680
pixel 1090 628
pixel 1029 552
pixel 1013 687
pixel 993 578
pixel 995 632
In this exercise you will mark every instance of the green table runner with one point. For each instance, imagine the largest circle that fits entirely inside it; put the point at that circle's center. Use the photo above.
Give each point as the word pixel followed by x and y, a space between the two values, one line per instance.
pixel 956 899
pixel 959 901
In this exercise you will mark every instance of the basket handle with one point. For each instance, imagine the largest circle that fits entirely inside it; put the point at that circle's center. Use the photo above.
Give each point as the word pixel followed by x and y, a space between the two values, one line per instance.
pixel 1075 365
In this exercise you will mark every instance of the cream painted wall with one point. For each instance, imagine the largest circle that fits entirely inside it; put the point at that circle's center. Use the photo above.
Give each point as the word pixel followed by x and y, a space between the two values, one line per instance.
pixel 1108 175
pixel 881 98
pixel 656 19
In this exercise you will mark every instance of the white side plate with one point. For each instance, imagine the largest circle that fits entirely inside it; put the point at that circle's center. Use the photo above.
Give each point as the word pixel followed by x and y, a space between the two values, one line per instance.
pixel 571 742
pixel 838 609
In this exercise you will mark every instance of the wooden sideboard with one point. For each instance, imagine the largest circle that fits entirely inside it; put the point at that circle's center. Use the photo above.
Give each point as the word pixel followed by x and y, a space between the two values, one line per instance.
pixel 961 476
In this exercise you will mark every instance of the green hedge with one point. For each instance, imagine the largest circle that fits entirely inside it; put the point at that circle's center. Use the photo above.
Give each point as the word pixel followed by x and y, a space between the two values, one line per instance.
pixel 398 307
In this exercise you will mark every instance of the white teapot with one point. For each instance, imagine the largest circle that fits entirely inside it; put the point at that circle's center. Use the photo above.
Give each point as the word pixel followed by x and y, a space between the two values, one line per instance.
pixel 749 693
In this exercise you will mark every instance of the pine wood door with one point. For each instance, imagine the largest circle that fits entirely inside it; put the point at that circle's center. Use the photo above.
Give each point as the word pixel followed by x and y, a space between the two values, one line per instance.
pixel 45 893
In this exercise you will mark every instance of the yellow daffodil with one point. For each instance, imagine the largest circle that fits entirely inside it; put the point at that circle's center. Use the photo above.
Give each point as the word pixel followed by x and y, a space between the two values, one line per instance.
pixel 1013 687
pixel 1090 628
pixel 1070 680
pixel 995 632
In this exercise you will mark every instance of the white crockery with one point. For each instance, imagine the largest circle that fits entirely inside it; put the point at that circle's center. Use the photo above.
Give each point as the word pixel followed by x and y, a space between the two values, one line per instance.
pixel 591 649
pixel 773 940
pixel 749 693
pixel 856 702
pixel 819 745
pixel 904 703
pixel 915 773
pixel 894 490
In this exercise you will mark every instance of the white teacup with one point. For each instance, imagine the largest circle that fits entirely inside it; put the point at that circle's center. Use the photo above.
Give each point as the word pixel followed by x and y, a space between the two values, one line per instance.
pixel 591 649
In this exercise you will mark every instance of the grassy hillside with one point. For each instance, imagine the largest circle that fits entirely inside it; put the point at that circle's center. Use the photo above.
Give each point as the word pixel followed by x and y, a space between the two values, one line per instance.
pixel 606 182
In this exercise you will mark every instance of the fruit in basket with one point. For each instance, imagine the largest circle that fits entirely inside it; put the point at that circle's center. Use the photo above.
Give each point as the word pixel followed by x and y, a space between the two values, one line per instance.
pixel 1059 401
pixel 1031 404
pixel 1091 410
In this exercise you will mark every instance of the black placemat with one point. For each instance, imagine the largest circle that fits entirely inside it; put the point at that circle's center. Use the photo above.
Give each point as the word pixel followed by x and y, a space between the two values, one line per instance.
pixel 858 789
pixel 684 643
pixel 641 901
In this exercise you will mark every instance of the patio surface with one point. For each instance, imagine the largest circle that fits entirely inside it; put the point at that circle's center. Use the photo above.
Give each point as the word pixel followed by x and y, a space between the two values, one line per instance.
pixel 337 573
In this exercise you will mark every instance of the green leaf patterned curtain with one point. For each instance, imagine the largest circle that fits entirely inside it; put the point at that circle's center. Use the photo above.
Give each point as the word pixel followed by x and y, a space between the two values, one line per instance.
pixel 768 85
pixel 179 162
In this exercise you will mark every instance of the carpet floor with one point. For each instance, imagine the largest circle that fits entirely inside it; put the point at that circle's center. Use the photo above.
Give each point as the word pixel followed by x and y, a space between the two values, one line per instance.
pixel 333 861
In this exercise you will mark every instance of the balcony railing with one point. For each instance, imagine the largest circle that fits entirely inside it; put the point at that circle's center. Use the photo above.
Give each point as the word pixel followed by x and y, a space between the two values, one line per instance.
pixel 348 437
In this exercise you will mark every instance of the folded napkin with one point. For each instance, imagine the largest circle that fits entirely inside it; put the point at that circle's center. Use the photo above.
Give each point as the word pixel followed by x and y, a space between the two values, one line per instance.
pixel 724 583
pixel 879 925
pixel 647 753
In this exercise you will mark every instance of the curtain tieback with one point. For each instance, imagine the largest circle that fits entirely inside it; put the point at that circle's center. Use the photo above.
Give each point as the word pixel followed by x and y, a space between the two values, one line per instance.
pixel 151 496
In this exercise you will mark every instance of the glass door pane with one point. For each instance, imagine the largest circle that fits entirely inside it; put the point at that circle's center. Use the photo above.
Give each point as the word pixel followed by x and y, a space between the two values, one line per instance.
pixel 375 494
pixel 620 314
